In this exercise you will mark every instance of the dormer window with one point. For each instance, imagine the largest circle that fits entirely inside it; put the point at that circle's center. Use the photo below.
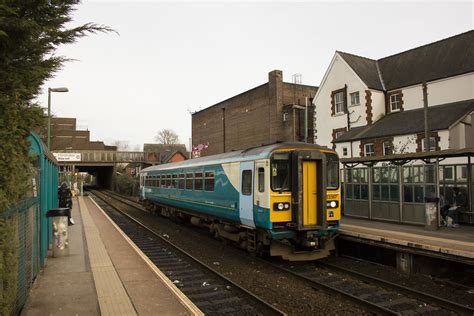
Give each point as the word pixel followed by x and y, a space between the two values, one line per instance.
pixel 395 102
pixel 339 102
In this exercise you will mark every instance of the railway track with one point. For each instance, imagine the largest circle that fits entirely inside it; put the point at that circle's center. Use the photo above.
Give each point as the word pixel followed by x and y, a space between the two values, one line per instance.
pixel 211 291
pixel 374 294
pixel 377 295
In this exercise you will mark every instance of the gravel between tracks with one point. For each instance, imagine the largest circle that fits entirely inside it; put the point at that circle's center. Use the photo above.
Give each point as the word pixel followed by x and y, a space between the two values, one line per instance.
pixel 288 293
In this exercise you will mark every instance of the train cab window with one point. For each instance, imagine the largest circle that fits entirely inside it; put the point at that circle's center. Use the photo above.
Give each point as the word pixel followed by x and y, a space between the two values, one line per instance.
pixel 181 181
pixel 261 180
pixel 198 181
pixel 280 172
pixel 247 182
pixel 189 181
pixel 209 181
pixel 333 171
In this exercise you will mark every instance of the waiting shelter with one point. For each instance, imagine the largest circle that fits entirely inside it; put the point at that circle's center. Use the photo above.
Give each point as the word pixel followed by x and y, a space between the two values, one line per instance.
pixel 394 187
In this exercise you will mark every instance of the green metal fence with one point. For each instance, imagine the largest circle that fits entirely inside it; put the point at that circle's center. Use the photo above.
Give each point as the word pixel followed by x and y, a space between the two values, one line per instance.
pixel 25 232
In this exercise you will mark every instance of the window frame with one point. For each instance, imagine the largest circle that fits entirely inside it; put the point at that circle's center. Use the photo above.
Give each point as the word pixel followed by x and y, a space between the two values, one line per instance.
pixel 187 179
pixel 245 181
pixel 384 148
pixel 397 102
pixel 261 179
pixel 340 103
pixel 199 179
pixel 366 151
pixel 209 175
pixel 354 94
pixel 432 148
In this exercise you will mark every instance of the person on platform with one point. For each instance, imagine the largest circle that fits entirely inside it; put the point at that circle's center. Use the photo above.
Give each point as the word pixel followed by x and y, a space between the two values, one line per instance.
pixel 444 207
pixel 65 200
pixel 458 205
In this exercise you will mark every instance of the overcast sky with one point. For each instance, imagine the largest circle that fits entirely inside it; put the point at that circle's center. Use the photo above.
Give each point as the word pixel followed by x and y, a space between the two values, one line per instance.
pixel 174 57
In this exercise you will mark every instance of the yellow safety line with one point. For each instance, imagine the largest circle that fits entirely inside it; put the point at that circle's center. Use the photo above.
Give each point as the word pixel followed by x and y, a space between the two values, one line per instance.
pixel 183 299
pixel 113 299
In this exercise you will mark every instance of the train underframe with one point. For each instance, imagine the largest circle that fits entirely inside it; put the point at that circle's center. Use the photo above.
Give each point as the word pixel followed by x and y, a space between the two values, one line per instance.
pixel 305 247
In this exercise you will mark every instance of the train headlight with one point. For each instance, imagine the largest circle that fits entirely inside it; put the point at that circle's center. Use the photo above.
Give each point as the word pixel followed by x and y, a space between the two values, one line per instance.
pixel 281 206
pixel 331 204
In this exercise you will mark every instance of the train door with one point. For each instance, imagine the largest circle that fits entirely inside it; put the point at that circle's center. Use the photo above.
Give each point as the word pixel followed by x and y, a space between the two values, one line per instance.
pixel 309 192
pixel 246 193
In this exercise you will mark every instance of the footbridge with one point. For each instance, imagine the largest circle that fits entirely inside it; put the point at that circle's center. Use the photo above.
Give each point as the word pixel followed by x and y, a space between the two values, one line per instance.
pixel 100 163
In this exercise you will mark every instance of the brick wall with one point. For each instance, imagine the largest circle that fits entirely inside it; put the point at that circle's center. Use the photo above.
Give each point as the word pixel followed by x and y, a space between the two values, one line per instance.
pixel 252 118
pixel 378 145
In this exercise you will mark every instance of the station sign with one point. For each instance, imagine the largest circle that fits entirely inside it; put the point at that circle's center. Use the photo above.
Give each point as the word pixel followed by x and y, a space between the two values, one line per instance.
pixel 67 156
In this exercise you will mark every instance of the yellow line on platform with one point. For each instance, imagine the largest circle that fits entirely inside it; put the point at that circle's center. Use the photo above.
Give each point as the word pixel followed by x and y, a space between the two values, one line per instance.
pixel 113 299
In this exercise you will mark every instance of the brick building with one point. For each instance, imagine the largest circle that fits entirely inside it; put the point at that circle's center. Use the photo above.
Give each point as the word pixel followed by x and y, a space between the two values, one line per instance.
pixel 64 135
pixel 271 112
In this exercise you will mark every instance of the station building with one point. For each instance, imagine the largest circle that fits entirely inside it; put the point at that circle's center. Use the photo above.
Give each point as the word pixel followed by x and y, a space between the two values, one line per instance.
pixel 271 112
pixel 372 113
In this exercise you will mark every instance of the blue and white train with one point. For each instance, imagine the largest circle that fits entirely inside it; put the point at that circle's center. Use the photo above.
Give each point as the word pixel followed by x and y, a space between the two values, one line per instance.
pixel 281 199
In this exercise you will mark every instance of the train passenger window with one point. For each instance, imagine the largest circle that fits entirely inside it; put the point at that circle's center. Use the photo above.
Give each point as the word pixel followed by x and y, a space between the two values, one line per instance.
pixel 159 181
pixel 198 181
pixel 181 181
pixel 189 181
pixel 261 180
pixel 174 183
pixel 168 181
pixel 247 182
pixel 209 181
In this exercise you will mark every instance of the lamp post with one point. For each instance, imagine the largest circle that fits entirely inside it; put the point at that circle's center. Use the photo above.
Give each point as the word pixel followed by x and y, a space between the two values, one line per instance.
pixel 49 111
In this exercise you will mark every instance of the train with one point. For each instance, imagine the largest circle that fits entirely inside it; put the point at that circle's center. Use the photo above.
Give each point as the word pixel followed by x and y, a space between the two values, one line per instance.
pixel 280 200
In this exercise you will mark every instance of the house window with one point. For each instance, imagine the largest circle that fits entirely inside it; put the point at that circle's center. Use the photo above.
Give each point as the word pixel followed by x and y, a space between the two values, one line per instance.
pixel 395 102
pixel 339 102
pixel 344 151
pixel 338 134
pixel 369 149
pixel 355 100
pixel 387 148
pixel 432 144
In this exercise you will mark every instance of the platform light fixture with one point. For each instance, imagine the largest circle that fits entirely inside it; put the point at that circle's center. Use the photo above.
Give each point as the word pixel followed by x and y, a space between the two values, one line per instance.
pixel 61 89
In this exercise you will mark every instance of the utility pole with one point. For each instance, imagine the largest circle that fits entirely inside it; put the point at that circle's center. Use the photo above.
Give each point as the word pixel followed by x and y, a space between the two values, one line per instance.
pixel 425 106
pixel 306 121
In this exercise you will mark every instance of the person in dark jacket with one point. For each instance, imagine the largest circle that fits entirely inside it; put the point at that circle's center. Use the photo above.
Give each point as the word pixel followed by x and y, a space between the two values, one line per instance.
pixel 458 205
pixel 65 200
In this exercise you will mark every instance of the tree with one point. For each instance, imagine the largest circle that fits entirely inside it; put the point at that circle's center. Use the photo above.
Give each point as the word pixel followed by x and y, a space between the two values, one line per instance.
pixel 167 137
pixel 30 33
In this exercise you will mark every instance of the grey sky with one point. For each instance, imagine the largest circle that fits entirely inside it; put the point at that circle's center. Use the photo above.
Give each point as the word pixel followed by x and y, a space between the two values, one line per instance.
pixel 175 56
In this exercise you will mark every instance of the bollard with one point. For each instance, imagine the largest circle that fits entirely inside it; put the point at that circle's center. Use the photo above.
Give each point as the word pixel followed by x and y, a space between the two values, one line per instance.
pixel 431 213
pixel 60 231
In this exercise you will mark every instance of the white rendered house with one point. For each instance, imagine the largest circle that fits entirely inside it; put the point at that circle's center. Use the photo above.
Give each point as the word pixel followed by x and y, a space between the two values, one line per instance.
pixel 370 107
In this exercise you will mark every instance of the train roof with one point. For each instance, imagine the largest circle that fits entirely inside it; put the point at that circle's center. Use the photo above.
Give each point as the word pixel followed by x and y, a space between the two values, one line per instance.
pixel 253 153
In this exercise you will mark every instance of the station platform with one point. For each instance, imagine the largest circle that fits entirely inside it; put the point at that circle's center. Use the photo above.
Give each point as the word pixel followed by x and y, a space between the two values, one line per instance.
pixel 446 242
pixel 104 274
